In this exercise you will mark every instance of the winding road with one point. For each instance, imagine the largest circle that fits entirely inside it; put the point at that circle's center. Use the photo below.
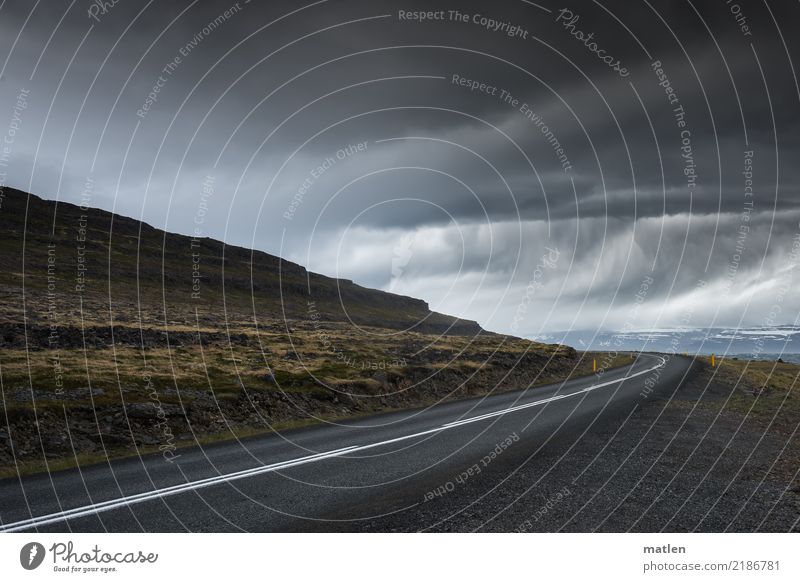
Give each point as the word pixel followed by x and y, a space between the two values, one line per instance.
pixel 395 471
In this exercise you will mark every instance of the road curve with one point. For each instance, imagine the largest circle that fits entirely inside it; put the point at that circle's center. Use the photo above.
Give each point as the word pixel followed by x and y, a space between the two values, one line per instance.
pixel 367 474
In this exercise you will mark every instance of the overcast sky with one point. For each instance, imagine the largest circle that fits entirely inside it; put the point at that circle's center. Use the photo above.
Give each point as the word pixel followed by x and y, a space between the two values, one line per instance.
pixel 540 201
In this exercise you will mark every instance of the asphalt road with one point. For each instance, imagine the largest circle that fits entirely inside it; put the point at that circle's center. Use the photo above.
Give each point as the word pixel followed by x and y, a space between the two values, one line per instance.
pixel 405 470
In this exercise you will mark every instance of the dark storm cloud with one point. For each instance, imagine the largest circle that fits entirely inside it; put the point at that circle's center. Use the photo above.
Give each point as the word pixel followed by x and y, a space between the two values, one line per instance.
pixel 271 100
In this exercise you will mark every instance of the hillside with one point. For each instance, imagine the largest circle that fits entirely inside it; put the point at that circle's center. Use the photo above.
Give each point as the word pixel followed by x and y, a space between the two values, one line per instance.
pixel 112 346
pixel 113 263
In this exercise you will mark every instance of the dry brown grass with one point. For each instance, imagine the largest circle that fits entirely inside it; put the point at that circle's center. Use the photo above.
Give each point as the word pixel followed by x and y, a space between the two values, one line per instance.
pixel 294 359
pixel 761 387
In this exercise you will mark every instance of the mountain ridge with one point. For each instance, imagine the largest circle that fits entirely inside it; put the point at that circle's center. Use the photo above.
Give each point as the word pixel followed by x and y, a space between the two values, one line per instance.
pixel 217 271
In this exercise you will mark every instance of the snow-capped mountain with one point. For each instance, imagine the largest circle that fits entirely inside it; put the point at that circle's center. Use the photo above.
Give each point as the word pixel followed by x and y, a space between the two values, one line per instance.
pixel 746 342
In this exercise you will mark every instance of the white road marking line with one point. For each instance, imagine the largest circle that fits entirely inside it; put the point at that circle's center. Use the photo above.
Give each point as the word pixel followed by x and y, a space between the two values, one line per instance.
pixel 165 492
pixel 552 398
pixel 103 506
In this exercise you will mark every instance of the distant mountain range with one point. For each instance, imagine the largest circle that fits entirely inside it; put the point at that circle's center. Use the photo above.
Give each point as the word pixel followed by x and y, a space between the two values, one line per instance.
pixel 746 342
